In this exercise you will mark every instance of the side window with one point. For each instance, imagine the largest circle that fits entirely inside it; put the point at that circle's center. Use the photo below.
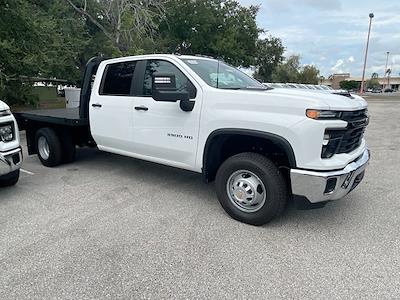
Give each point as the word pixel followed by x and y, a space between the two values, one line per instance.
pixel 162 66
pixel 117 79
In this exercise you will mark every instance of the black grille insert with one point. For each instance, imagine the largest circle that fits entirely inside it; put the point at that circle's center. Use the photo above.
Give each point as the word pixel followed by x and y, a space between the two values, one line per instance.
pixel 357 122
pixel 348 139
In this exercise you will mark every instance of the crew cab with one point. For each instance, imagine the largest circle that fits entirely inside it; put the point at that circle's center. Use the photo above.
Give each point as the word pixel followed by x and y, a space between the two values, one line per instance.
pixel 260 145
pixel 10 150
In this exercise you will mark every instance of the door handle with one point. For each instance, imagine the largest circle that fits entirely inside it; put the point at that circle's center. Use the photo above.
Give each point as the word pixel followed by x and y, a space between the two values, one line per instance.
pixel 141 108
pixel 96 105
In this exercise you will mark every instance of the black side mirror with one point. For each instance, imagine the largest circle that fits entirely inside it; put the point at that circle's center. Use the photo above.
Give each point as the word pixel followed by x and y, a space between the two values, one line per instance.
pixel 164 89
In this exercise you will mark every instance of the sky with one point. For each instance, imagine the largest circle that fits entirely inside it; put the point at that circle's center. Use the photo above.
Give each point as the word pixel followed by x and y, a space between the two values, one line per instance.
pixel 332 34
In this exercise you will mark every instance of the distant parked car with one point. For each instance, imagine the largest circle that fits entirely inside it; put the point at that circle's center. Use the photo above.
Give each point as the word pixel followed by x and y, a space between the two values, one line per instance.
pixel 388 90
pixel 291 85
pixel 276 85
pixel 312 87
pixel 377 90
pixel 326 87
pixel 321 88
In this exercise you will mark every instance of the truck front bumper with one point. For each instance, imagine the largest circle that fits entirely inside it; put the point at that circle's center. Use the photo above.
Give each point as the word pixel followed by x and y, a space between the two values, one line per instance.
pixel 321 186
pixel 10 161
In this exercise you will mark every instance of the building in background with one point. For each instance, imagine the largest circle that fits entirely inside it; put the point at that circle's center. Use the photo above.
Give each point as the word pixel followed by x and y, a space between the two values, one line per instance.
pixel 335 79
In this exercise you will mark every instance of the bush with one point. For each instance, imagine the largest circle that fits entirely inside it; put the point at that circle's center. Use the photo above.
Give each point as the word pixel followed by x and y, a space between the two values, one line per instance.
pixel 18 93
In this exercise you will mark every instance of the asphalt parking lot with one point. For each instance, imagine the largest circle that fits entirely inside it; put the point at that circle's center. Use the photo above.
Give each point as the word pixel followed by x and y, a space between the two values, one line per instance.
pixel 112 227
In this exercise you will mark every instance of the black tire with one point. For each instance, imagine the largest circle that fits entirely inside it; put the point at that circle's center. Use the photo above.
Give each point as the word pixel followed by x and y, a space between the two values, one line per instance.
pixel 9 179
pixel 55 150
pixel 68 149
pixel 271 177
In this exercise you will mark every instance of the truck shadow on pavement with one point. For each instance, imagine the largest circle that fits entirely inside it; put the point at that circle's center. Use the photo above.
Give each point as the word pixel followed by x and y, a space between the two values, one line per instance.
pixel 160 187
pixel 173 183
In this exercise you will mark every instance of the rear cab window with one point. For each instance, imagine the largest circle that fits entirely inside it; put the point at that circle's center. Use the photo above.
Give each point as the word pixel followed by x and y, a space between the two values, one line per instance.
pixel 117 79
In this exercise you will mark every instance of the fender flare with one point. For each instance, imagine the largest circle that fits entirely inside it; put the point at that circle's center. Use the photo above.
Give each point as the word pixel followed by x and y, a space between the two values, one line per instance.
pixel 276 139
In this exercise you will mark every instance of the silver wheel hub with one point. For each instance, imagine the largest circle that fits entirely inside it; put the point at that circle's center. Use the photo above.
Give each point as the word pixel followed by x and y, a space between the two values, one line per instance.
pixel 246 191
pixel 43 148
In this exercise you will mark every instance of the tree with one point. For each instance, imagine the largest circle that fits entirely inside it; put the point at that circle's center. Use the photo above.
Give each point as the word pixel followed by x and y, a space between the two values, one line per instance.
pixel 374 75
pixel 291 71
pixel 124 22
pixel 218 28
pixel 19 48
pixel 349 84
pixel 288 71
pixel 55 38
pixel 268 56
pixel 309 74
pixel 373 83
pixel 43 38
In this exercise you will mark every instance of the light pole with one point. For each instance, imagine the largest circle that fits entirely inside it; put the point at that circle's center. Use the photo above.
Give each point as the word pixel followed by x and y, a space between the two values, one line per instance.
pixel 371 15
pixel 386 69
pixel 387 58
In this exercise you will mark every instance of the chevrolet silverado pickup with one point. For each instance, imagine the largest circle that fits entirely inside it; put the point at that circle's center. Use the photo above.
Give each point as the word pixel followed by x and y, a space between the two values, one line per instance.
pixel 261 145
pixel 10 151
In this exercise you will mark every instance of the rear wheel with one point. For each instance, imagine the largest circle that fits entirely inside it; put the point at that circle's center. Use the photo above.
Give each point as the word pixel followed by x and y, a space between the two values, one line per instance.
pixel 251 188
pixel 9 179
pixel 48 147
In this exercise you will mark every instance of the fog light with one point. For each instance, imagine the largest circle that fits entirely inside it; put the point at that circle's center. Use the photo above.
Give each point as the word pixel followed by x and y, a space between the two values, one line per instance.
pixel 327 137
pixel 347 180
pixel 330 185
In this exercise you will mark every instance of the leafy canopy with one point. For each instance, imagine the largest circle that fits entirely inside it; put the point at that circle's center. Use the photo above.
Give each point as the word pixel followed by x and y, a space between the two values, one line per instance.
pixel 291 71
pixel 349 84
pixel 218 28
pixel 55 38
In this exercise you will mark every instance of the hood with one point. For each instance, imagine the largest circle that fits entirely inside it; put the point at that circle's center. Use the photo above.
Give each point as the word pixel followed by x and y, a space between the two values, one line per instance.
pixel 3 106
pixel 335 102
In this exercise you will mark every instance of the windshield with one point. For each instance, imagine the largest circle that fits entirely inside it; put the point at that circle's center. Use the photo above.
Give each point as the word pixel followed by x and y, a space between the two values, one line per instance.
pixel 220 75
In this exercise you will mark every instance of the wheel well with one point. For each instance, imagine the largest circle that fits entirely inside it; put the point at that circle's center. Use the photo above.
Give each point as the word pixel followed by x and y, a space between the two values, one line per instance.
pixel 222 145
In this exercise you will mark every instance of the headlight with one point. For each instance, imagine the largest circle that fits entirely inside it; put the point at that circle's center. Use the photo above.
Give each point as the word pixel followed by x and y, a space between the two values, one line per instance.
pixel 322 114
pixel 6 133
pixel 6 112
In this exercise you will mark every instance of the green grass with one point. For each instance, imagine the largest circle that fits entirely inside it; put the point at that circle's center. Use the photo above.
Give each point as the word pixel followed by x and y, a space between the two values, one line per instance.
pixel 48 99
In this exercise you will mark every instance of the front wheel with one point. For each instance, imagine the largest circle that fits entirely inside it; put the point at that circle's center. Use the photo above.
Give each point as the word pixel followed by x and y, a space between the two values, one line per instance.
pixel 251 188
pixel 9 179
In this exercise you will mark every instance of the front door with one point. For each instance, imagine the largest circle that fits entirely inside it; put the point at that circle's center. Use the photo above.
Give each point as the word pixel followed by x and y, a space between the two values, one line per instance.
pixel 163 132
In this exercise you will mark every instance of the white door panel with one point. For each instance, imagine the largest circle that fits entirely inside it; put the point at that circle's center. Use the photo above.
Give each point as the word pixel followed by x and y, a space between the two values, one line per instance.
pixel 111 106
pixel 112 123
pixel 165 131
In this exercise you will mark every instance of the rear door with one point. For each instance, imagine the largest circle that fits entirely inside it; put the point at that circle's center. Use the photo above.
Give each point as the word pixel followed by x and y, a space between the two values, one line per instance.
pixel 111 107
pixel 163 132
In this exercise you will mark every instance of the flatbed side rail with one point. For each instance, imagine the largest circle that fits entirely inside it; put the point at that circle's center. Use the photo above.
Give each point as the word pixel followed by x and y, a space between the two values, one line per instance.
pixel 24 118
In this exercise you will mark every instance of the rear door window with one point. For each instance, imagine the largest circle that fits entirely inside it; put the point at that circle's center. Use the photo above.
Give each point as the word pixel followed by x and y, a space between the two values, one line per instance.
pixel 117 79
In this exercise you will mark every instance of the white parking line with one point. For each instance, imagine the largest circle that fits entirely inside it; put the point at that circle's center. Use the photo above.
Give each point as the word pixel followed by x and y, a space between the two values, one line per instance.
pixel 27 172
